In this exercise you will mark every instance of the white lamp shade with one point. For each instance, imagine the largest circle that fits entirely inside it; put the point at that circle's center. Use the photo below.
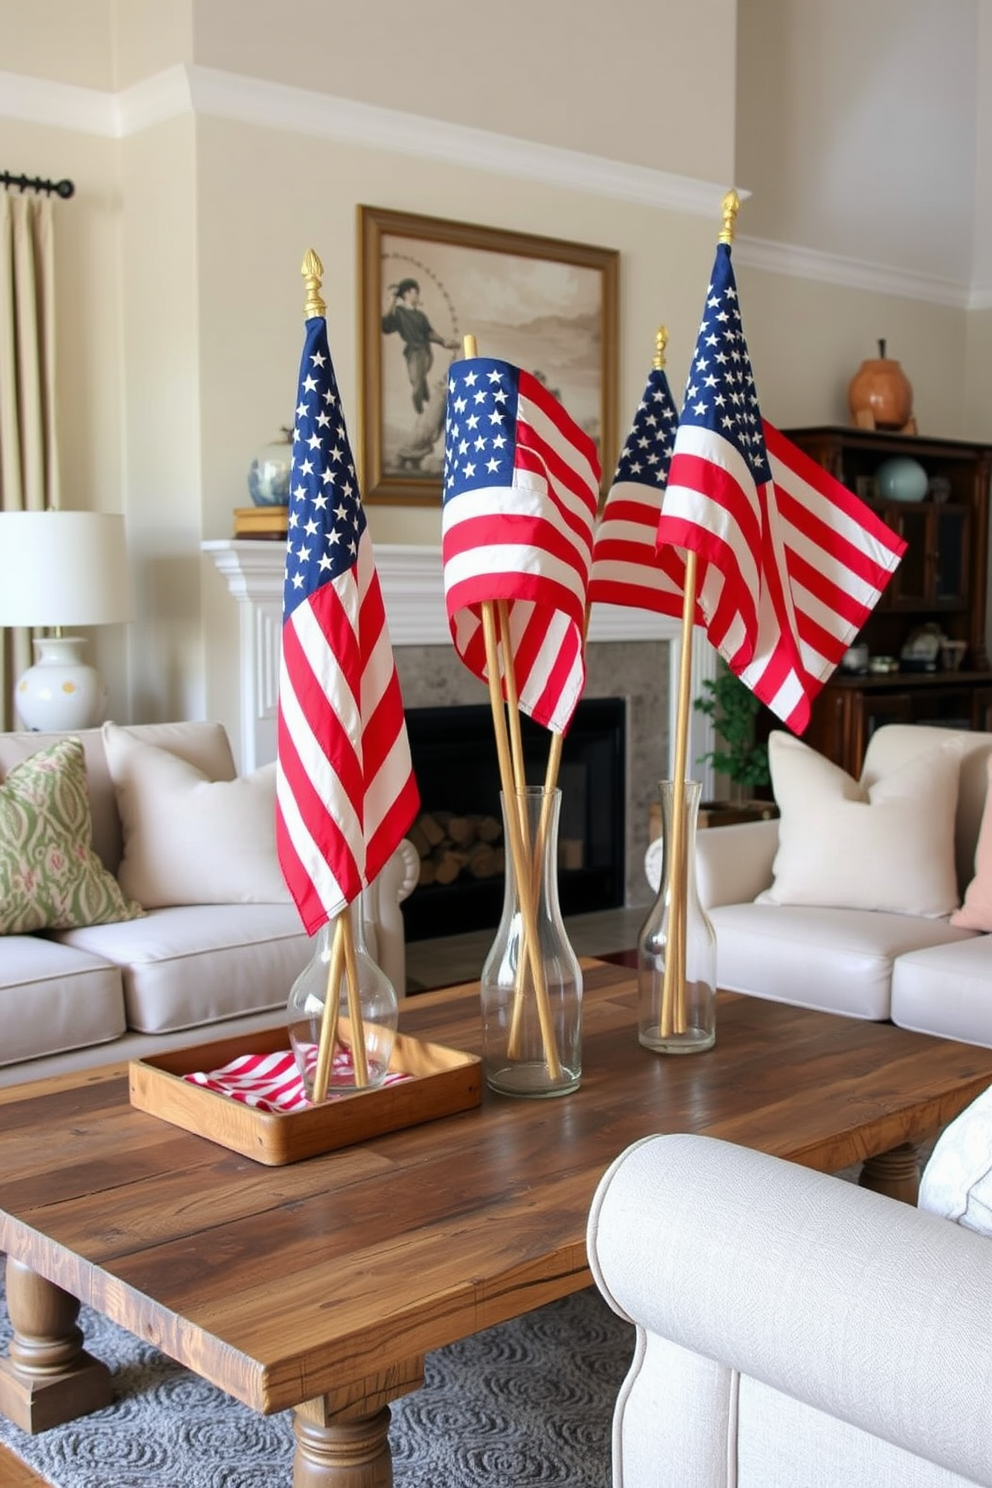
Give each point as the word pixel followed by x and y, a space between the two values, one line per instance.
pixel 60 568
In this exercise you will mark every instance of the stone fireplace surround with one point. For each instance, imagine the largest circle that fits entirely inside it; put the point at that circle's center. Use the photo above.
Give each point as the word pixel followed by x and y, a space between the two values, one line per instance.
pixel 631 654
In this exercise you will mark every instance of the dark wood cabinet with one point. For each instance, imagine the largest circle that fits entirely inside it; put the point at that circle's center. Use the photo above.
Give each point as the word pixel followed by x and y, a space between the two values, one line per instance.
pixel 941 579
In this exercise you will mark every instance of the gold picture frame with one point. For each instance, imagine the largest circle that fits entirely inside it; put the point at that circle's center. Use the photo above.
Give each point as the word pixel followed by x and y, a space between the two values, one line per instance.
pixel 545 304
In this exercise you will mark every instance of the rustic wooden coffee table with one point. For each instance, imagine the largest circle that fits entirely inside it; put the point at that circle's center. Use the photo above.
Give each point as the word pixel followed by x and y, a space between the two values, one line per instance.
pixel 321 1285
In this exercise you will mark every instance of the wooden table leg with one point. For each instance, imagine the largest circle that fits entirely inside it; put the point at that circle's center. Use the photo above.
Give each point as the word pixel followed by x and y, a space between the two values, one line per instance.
pixel 48 1378
pixel 895 1174
pixel 342 1440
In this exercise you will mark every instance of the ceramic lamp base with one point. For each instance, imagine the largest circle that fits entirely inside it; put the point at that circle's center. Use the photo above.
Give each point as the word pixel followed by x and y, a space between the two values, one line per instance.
pixel 60 692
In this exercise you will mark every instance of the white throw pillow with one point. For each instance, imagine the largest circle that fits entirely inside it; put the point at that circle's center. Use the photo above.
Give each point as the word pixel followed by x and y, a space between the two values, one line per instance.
pixel 889 846
pixel 187 839
pixel 957 1181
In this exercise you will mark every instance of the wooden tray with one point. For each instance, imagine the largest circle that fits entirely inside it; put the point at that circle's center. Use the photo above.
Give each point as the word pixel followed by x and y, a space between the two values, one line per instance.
pixel 443 1081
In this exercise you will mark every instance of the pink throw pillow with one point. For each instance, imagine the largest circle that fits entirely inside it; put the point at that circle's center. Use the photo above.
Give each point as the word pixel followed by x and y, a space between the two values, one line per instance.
pixel 976 911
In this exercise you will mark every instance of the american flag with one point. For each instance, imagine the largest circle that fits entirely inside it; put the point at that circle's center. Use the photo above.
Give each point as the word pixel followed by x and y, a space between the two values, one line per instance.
pixel 791 563
pixel 345 790
pixel 627 567
pixel 521 488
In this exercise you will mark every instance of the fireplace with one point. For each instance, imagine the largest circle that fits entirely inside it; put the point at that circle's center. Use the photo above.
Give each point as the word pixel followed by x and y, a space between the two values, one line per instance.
pixel 632 654
pixel 459 831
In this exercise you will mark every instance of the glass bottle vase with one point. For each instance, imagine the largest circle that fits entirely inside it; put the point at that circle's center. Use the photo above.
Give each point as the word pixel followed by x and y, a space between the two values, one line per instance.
pixel 676 949
pixel 347 1065
pixel 531 985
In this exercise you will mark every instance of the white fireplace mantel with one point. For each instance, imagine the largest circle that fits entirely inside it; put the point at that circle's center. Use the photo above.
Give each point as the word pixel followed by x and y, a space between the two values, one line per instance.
pixel 413 593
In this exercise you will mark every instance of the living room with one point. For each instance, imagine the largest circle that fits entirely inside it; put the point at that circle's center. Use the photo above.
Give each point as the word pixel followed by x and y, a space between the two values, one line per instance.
pixel 211 142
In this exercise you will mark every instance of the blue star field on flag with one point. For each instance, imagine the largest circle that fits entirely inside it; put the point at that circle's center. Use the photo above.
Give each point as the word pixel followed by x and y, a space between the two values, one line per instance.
pixel 720 394
pixel 326 518
pixel 647 453
pixel 482 419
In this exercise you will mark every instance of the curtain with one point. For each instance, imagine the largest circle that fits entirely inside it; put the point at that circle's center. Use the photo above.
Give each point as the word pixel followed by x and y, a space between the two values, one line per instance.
pixel 29 475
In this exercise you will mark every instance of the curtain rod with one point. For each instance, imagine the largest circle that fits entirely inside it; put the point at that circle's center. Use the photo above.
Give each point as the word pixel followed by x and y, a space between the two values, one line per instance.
pixel 36 183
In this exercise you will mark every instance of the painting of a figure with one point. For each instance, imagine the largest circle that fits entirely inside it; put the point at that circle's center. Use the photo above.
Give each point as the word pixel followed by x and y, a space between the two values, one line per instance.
pixel 543 304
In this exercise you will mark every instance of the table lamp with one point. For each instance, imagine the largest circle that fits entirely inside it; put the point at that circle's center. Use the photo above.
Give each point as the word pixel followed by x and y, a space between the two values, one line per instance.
pixel 61 568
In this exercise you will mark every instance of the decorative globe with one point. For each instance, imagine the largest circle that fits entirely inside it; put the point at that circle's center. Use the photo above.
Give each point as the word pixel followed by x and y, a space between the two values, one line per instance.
pixel 268 473
pixel 902 479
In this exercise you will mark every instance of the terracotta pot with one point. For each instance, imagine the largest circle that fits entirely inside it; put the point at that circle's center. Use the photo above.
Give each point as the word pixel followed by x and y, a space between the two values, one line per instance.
pixel 880 388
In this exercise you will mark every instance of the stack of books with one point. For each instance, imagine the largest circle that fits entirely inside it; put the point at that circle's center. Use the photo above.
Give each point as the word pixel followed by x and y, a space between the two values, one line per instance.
pixel 260 521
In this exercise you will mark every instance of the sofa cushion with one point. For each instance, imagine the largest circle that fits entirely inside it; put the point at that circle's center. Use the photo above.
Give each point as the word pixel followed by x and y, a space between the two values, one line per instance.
pixel 887 846
pixel 834 960
pixel 205 745
pixel 947 990
pixel 976 911
pixel 189 839
pixel 54 998
pixel 896 744
pixel 50 876
pixel 185 967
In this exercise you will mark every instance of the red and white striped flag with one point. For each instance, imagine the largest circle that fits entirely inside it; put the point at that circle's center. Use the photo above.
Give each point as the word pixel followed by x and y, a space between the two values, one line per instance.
pixel 791 563
pixel 273 1082
pixel 345 791
pixel 628 568
pixel 521 488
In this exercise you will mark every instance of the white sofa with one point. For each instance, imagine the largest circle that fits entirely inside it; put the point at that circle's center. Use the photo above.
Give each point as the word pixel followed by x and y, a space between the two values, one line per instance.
pixel 104 992
pixel 792 1329
pixel 921 971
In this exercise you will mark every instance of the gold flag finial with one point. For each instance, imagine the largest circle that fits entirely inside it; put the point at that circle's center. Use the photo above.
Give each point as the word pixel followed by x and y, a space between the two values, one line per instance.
pixel 660 342
pixel 730 206
pixel 312 270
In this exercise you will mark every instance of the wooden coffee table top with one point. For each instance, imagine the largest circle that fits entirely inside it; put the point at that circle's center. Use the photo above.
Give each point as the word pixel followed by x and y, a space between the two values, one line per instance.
pixel 284 1284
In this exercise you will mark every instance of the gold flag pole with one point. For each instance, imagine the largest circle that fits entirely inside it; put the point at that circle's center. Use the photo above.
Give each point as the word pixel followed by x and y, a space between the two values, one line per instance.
pixel 329 1021
pixel 672 1003
pixel 673 1008
pixel 518 849
pixel 359 1054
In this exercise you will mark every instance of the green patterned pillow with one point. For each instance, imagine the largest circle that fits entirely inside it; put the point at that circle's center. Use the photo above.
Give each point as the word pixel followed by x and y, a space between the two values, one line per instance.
pixel 50 877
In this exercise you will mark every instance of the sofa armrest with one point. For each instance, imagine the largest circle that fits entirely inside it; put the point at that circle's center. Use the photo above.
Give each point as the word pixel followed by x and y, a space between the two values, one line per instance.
pixel 385 933
pixel 733 864
pixel 736 1266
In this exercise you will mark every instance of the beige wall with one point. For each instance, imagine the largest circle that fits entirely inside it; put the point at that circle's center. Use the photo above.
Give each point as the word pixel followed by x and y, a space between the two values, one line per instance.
pixel 162 383
pixel 180 297
pixel 807 340
pixel 856 127
pixel 618 80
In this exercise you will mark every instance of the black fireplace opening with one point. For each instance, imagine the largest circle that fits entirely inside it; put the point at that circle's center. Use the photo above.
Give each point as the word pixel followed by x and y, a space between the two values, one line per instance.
pixel 459 831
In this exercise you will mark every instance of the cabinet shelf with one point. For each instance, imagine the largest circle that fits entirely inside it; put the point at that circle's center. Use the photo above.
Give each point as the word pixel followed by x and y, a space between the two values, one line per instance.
pixel 941 580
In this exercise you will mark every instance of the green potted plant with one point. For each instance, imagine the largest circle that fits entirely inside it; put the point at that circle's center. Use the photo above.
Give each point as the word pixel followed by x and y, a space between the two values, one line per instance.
pixel 738 755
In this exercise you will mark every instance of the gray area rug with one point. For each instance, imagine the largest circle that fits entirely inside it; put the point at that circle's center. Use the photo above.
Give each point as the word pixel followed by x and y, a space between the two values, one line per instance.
pixel 528 1403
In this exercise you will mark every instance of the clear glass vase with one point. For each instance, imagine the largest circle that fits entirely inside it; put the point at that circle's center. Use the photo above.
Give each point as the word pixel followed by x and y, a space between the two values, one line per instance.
pixel 676 949
pixel 531 986
pixel 343 1064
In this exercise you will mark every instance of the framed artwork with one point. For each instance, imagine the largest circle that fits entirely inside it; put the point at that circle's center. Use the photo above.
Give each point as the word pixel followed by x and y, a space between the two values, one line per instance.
pixel 544 304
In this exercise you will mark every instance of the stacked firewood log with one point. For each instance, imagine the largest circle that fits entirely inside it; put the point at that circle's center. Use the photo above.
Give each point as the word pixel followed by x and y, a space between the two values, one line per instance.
pixel 451 846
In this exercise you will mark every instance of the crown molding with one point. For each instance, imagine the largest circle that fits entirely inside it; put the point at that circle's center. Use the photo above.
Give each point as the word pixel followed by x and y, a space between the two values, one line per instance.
pixel 322 115
pixel 59 105
pixel 848 273
pixel 208 91
pixel 155 100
